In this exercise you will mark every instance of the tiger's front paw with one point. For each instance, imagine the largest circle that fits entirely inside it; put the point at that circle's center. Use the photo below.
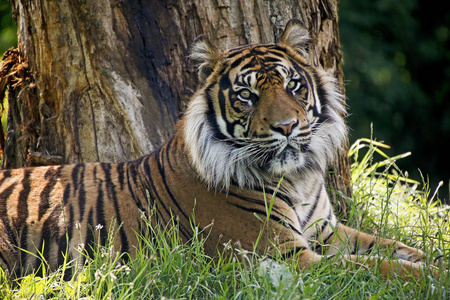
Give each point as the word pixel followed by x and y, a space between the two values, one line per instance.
pixel 409 254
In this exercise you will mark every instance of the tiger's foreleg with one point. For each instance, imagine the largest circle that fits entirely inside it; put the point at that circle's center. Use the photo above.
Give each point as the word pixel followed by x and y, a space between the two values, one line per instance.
pixel 307 258
pixel 353 244
pixel 348 240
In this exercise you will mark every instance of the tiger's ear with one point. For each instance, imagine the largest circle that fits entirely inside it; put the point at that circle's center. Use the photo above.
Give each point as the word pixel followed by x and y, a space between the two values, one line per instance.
pixel 205 55
pixel 296 36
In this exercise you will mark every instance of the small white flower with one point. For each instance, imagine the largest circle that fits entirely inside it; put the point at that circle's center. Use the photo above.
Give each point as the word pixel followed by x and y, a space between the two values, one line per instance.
pixel 125 268
pixel 80 247
pixel 99 227
pixel 98 274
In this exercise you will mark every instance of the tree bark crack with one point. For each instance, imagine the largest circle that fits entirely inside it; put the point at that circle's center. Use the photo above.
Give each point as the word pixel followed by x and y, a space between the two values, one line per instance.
pixel 86 77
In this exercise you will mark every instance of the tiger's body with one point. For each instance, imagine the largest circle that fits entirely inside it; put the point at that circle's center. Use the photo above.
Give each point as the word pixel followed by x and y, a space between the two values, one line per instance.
pixel 262 114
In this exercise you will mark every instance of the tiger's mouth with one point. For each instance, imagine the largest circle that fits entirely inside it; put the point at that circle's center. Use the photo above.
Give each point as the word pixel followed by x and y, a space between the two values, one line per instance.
pixel 286 152
pixel 289 150
pixel 288 157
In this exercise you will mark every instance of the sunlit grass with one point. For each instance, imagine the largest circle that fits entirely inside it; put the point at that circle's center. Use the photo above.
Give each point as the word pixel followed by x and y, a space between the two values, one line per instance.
pixel 4 112
pixel 385 202
pixel 388 203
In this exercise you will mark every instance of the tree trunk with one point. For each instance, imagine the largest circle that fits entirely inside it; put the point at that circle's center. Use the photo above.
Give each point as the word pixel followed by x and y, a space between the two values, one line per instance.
pixel 111 77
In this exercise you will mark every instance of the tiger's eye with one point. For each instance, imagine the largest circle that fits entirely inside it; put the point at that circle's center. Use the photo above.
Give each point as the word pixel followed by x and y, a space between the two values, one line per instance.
pixel 245 93
pixel 291 84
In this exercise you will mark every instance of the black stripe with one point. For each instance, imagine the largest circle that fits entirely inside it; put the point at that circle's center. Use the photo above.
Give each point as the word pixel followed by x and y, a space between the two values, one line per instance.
pixel 82 195
pixel 327 219
pixel 263 213
pixel 44 204
pixel 121 173
pixel 89 242
pixel 319 248
pixel 249 64
pixel 94 173
pixel 75 172
pixel 240 60
pixel 257 211
pixel 132 175
pixel 62 248
pixel 6 174
pixel 329 237
pixel 50 232
pixel 355 247
pixel 151 186
pixel 4 217
pixel 78 185
pixel 147 174
pixel 321 96
pixel 242 74
pixel 113 195
pixel 168 148
pixel 67 234
pixel 275 60
pixel 162 172
pixel 145 184
pixel 22 215
pixel 313 208
pixel 101 214
pixel 261 203
pixel 277 194
pixel 48 173
pixel 9 237
pixel 155 201
pixel 312 80
pixel 70 223
pixel 236 51
pixel 5 262
pixel 212 119
pixel 225 84
pixel 66 194
pixel 370 246
pixel 22 204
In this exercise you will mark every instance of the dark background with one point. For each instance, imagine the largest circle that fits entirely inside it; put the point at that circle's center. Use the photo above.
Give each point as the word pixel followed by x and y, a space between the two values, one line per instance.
pixel 397 70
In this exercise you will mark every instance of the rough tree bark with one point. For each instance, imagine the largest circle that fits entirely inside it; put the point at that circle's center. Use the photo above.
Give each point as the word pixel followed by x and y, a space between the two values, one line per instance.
pixel 105 80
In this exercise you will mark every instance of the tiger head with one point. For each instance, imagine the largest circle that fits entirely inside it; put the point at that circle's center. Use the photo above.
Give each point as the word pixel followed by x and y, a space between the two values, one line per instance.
pixel 263 112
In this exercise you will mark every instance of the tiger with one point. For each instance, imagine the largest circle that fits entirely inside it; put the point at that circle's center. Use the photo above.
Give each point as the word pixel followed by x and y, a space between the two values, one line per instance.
pixel 264 126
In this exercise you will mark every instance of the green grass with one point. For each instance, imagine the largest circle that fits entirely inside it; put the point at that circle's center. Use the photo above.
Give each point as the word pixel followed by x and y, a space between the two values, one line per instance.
pixel 4 112
pixel 385 202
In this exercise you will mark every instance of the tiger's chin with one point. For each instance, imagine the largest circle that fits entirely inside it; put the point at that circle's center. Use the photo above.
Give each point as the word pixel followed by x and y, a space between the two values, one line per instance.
pixel 289 161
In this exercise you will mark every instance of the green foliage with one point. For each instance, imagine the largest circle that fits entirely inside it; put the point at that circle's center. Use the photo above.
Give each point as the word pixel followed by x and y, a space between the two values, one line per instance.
pixel 385 202
pixel 4 113
pixel 8 29
pixel 397 69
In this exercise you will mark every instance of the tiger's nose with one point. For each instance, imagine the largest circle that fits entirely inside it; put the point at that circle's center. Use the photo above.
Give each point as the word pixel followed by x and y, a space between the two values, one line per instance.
pixel 285 128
